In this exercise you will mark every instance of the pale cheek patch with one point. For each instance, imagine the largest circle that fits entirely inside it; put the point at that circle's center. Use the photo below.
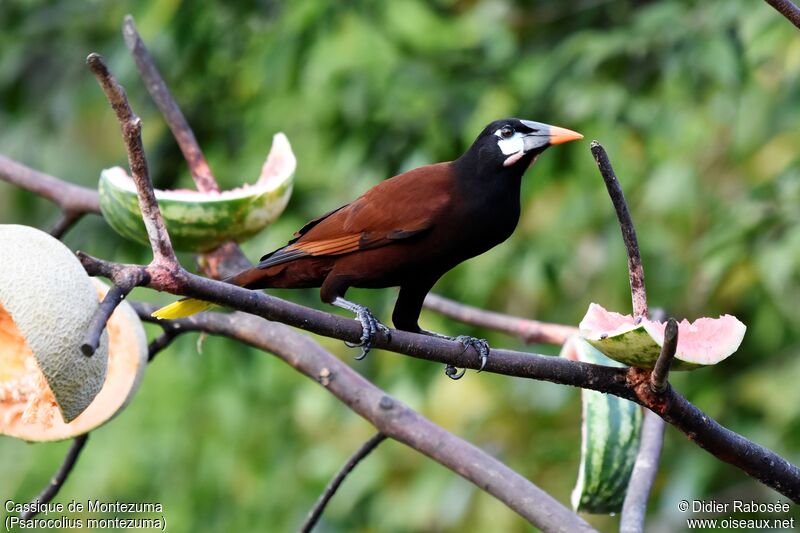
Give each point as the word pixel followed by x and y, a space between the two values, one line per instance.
pixel 511 145
pixel 510 160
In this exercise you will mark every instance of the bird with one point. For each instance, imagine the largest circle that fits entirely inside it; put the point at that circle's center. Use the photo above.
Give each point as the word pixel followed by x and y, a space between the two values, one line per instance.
pixel 407 232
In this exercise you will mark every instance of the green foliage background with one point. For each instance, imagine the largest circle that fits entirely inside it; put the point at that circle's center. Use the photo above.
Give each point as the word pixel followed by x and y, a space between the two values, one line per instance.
pixel 697 103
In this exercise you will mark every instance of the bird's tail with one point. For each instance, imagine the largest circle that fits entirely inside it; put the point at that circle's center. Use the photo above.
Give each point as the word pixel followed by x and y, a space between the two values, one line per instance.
pixel 182 308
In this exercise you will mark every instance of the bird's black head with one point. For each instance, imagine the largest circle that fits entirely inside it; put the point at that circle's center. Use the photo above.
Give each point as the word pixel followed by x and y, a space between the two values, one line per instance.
pixel 510 145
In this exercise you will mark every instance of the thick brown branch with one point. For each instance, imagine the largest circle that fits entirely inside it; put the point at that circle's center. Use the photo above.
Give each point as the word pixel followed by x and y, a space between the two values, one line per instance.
pixel 201 173
pixel 508 362
pixel 319 507
pixel 788 9
pixel 132 135
pixel 730 447
pixel 63 472
pixel 389 415
pixel 69 197
pixel 638 293
pixel 631 384
pixel 530 331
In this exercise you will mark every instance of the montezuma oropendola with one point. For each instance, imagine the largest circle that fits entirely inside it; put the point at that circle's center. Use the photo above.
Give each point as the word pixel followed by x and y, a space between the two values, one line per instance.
pixel 408 231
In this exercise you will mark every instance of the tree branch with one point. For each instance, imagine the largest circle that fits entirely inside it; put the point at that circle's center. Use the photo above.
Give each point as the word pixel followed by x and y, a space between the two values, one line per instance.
pixel 50 491
pixel 788 9
pixel 162 341
pixel 68 196
pixel 530 331
pixel 387 414
pixel 123 284
pixel 198 166
pixel 73 200
pixel 658 378
pixel 132 135
pixel 227 259
pixel 634 507
pixel 631 383
pixel 635 270
pixel 64 223
pixel 319 507
pixel 651 441
pixel 644 473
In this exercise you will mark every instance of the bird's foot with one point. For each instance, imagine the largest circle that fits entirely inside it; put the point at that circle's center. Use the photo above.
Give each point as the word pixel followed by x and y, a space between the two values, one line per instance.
pixel 370 326
pixel 479 345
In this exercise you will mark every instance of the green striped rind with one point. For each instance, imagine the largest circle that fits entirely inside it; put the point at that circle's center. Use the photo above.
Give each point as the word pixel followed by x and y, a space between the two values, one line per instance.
pixel 610 441
pixel 636 347
pixel 200 222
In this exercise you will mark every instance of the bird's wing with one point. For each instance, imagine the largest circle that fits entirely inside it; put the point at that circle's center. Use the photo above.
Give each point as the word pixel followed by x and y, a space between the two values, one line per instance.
pixel 399 208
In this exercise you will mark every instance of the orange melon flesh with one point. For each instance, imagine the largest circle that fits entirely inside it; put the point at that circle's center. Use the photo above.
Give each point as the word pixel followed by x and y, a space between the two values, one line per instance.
pixel 25 397
pixel 28 409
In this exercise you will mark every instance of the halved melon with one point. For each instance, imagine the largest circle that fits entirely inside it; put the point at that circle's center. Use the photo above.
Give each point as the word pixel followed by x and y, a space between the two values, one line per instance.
pixel 637 342
pixel 200 222
pixel 49 390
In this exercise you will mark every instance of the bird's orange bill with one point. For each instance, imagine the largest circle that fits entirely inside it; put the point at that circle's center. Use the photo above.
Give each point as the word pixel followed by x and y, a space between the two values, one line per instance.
pixel 563 135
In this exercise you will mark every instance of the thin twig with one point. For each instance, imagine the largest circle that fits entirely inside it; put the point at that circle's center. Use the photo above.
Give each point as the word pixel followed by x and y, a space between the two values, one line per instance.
pixel 788 9
pixel 64 223
pixel 118 291
pixel 319 507
pixel 658 379
pixel 68 196
pixel 530 331
pixel 132 135
pixel 162 341
pixel 58 480
pixel 635 270
pixel 198 166
pixel 643 475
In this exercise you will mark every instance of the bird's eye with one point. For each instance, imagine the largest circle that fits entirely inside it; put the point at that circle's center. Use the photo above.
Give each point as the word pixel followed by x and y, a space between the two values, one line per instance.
pixel 506 132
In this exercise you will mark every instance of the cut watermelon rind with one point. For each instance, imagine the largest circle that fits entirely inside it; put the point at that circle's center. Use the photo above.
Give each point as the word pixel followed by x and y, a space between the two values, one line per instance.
pixel 609 441
pixel 198 221
pixel 706 341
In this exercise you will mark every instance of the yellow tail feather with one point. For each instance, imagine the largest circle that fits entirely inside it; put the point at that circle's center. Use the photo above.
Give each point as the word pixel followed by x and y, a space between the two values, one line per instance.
pixel 182 309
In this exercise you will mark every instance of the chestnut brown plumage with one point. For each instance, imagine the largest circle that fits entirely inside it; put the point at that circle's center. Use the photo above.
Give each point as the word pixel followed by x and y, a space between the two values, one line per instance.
pixel 409 230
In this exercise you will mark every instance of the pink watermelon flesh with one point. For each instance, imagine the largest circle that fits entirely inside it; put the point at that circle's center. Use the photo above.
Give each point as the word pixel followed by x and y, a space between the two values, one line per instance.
pixel 706 341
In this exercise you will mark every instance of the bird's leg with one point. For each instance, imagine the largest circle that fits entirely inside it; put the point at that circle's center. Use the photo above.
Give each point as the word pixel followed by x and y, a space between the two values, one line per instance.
pixel 479 345
pixel 370 326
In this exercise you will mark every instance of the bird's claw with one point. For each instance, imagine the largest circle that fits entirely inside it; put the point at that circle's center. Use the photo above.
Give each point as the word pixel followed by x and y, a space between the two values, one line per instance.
pixel 452 372
pixel 370 326
pixel 480 346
